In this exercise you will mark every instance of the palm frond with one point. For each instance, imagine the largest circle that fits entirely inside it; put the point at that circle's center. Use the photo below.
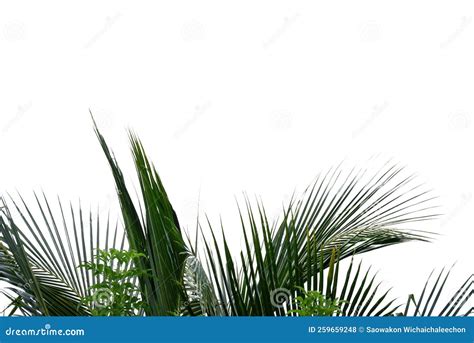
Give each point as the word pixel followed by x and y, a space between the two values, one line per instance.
pixel 339 216
pixel 428 302
pixel 156 232
pixel 202 300
pixel 337 211
pixel 39 258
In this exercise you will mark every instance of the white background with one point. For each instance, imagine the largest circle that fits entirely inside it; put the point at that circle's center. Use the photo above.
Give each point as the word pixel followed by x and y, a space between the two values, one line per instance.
pixel 255 96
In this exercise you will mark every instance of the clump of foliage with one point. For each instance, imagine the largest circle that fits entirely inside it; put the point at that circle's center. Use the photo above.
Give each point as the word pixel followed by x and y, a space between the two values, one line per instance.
pixel 341 215
pixel 116 292
pixel 313 303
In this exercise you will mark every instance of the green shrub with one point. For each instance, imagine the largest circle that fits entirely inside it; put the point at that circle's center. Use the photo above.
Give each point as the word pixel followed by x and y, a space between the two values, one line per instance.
pixel 116 294
pixel 313 303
